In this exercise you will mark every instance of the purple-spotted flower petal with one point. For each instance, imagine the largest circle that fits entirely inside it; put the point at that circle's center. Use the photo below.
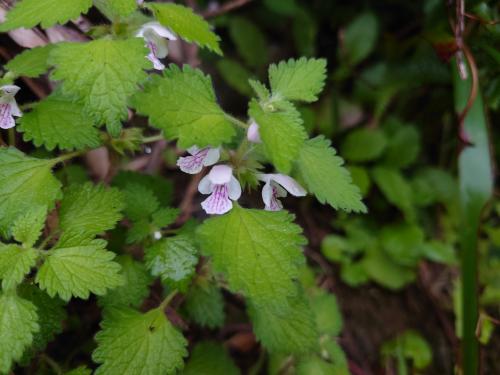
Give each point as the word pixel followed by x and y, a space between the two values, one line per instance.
pixel 198 159
pixel 155 36
pixel 8 106
pixel 253 134
pixel 275 187
pixel 222 186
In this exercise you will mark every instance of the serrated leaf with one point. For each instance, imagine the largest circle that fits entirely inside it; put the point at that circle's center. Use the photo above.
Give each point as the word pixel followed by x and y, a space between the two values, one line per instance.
pixel 25 182
pixel 47 13
pixel 135 287
pixel 205 304
pixel 210 358
pixel 162 187
pixel 140 201
pixel 324 175
pixel 165 216
pixel 182 103
pixel 31 62
pixel 18 323
pixel 187 24
pixel 327 313
pixel 58 121
pixel 15 262
pixel 395 189
pixel 133 343
pixel 258 251
pixel 27 227
pixel 90 209
pixel 173 259
pixel 116 8
pixel 282 134
pixel 288 330
pixel 410 344
pixel 139 231
pixel 249 40
pixel 77 267
pixel 50 313
pixel 91 71
pixel 260 89
pixel 363 145
pixel 301 79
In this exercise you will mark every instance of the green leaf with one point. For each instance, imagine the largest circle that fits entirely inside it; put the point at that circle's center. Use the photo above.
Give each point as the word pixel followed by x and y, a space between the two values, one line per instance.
pixel 173 259
pixel 135 288
pixel 249 40
pixel 301 79
pixel 359 38
pixel 324 175
pixel 31 62
pixel 58 121
pixel 192 114
pixel 385 271
pixel 412 346
pixel 476 183
pixel 290 330
pixel 116 8
pixel 439 252
pixel 47 13
pixel 27 227
pixel 395 189
pixel 363 145
pixel 247 242
pixel 282 134
pixel 188 25
pixel 82 370
pixel 317 366
pixel 162 188
pixel 18 323
pixel 403 147
pixel 361 179
pixel 76 267
pixel 92 70
pixel 260 89
pixel 210 358
pixel 25 182
pixel 327 313
pixel 157 347
pixel 141 201
pixel 235 75
pixel 90 209
pixel 165 216
pixel 51 314
pixel 205 304
pixel 403 243
pixel 15 262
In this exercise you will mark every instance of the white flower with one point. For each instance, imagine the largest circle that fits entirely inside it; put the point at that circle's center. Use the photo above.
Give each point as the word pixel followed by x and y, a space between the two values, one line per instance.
pixel 198 159
pixel 8 106
pixel 156 37
pixel 222 187
pixel 276 186
pixel 253 134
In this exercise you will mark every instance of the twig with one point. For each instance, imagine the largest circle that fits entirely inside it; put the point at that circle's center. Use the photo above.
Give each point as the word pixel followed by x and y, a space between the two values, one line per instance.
pixel 227 7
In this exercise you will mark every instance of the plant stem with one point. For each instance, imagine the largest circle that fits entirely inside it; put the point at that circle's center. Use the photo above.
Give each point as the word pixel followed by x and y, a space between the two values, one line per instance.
pixel 68 156
pixel 53 364
pixel 167 300
pixel 153 138
pixel 236 121
pixel 12 137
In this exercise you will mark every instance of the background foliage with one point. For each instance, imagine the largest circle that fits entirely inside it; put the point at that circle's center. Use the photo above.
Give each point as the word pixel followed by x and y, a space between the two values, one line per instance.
pixel 108 262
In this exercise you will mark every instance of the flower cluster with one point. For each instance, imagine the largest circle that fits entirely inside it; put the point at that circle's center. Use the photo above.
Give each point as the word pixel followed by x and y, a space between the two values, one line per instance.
pixel 156 36
pixel 223 188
